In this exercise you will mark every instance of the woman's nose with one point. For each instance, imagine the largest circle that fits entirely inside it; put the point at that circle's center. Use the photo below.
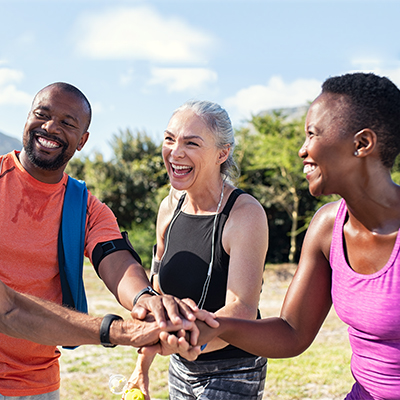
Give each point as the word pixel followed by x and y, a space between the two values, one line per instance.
pixel 177 150
pixel 303 150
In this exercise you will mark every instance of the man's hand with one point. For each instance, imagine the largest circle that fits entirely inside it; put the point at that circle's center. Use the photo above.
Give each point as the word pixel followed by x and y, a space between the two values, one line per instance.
pixel 164 308
pixel 185 341
pixel 169 309
pixel 143 332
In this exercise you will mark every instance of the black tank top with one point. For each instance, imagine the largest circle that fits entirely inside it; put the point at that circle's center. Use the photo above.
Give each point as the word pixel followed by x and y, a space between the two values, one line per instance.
pixel 184 266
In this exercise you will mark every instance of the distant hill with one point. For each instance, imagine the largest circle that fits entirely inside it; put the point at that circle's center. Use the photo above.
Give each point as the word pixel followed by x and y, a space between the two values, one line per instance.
pixel 291 113
pixel 8 143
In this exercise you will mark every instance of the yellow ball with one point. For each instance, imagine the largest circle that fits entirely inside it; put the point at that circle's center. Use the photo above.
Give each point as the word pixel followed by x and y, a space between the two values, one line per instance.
pixel 134 394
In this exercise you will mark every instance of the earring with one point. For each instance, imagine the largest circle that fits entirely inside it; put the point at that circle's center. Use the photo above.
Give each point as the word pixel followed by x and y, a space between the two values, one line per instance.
pixel 356 153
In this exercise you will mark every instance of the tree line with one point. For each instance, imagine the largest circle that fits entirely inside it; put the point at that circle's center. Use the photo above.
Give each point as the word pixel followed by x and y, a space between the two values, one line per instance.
pixel 134 181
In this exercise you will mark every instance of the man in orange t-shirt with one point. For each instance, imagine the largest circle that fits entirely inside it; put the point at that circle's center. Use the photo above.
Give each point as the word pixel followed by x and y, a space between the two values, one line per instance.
pixel 32 187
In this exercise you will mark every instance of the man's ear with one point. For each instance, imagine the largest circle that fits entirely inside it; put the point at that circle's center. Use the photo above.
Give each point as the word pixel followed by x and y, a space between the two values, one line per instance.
pixel 82 141
pixel 365 142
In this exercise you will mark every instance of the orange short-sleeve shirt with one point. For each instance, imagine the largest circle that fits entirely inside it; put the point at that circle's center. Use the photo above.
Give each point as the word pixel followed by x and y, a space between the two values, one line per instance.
pixel 30 216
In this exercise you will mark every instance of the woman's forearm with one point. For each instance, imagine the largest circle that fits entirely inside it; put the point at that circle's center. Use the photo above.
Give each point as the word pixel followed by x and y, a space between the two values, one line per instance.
pixel 270 337
pixel 234 309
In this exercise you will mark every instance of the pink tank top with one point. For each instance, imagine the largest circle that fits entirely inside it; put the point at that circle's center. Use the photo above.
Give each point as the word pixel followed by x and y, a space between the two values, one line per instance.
pixel 370 305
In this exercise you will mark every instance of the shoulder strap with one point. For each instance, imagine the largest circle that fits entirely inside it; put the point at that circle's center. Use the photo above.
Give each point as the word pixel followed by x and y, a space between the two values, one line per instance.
pixel 222 218
pixel 71 242
pixel 231 201
pixel 180 202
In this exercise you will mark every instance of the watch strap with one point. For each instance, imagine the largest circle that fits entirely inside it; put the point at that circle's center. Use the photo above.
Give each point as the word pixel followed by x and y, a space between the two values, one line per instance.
pixel 105 329
pixel 148 290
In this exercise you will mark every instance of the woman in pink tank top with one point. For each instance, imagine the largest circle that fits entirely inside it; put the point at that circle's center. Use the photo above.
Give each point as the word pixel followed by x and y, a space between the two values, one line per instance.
pixel 350 255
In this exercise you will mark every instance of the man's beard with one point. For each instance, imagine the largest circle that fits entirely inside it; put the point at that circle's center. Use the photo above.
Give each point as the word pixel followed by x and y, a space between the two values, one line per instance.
pixel 48 165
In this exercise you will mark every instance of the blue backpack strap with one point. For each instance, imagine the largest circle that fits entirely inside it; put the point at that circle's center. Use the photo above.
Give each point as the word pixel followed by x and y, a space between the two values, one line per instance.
pixel 71 243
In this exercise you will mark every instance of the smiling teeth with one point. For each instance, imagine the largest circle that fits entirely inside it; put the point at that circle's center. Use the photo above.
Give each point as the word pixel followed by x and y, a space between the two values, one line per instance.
pixel 47 143
pixel 180 167
pixel 309 168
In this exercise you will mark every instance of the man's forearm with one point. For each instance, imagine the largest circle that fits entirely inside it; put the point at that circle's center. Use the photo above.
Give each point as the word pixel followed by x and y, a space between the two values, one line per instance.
pixel 27 317
pixel 123 276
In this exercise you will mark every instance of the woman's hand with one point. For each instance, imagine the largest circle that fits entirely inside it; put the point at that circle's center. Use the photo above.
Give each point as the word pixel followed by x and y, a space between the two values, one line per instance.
pixel 201 315
pixel 140 376
pixel 138 381
pixel 173 343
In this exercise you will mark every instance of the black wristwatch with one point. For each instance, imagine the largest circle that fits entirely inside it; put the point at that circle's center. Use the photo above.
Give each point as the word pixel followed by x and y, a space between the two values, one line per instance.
pixel 105 329
pixel 148 290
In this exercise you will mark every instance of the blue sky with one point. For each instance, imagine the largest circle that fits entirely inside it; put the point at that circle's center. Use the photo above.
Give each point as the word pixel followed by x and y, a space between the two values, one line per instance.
pixel 138 60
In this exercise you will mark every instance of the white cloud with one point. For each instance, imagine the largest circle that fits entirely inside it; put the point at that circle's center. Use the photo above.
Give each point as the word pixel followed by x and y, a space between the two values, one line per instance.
pixel 182 79
pixel 276 94
pixel 10 75
pixel 140 33
pixel 9 94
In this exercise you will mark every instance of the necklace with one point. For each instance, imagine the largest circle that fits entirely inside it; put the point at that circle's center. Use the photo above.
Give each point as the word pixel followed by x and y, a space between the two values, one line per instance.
pixel 208 278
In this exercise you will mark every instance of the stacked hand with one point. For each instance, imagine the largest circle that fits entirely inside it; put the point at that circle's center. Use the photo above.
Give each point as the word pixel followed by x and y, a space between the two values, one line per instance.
pixel 183 314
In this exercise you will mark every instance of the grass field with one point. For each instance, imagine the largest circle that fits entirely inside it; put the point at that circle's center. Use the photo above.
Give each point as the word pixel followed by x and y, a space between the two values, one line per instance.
pixel 322 372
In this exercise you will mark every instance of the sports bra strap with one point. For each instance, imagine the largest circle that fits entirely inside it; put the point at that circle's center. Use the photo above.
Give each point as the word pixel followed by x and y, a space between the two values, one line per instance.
pixel 228 206
pixel 180 202
pixel 231 201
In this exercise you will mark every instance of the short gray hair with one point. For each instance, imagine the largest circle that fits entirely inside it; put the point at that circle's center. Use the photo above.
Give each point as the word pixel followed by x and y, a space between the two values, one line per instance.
pixel 218 122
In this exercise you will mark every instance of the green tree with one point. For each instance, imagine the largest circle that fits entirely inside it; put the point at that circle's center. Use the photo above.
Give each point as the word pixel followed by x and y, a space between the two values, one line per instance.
pixel 268 156
pixel 140 173
pixel 131 184
pixel 396 171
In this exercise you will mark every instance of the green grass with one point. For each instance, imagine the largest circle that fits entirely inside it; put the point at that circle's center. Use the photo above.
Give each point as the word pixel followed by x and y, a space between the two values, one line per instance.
pixel 322 372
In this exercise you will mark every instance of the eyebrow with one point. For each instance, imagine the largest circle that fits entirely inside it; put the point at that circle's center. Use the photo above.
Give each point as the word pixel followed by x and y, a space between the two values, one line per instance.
pixel 185 137
pixel 312 127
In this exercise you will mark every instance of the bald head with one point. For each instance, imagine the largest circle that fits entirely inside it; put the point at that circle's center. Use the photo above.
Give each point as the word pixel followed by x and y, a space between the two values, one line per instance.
pixel 68 88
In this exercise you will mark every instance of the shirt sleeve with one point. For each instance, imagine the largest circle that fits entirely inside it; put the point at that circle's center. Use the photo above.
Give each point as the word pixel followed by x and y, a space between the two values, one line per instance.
pixel 101 225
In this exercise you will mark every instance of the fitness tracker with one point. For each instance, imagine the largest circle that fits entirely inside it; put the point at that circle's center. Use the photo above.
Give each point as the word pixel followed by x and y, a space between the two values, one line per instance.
pixel 105 329
pixel 148 290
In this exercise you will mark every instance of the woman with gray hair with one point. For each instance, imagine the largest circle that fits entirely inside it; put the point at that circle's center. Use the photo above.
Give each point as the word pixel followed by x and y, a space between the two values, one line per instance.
pixel 212 240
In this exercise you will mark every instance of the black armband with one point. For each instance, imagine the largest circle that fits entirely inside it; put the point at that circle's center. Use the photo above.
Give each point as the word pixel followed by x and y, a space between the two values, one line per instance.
pixel 104 249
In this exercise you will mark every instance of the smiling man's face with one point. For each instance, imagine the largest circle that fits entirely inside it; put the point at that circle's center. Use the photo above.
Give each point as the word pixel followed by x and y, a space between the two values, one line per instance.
pixel 55 129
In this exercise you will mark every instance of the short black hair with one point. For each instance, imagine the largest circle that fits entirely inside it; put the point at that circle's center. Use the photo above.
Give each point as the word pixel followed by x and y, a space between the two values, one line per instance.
pixel 374 103
pixel 67 87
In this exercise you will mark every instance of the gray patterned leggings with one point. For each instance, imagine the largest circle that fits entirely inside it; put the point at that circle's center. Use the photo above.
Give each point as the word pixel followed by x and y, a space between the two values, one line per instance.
pixel 233 379
pixel 46 396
